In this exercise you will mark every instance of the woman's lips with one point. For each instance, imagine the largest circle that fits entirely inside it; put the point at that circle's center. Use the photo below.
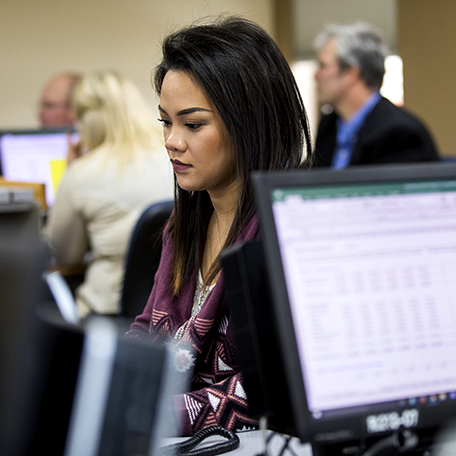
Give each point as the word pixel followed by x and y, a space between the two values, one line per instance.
pixel 178 166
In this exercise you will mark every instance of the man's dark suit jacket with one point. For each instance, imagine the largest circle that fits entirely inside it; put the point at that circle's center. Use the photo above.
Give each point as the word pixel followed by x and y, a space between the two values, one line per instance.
pixel 389 135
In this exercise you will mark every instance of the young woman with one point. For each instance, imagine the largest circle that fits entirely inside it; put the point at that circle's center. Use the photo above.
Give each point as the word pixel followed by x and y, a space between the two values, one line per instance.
pixel 105 190
pixel 229 105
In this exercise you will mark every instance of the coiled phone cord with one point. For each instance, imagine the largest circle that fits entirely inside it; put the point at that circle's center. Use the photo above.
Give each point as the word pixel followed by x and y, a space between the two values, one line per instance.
pixel 186 448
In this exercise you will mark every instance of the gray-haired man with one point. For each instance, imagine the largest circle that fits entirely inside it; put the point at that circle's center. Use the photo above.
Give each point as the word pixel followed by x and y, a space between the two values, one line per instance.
pixel 364 127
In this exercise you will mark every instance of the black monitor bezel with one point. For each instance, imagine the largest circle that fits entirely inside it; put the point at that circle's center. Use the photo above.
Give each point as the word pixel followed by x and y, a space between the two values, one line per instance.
pixel 345 427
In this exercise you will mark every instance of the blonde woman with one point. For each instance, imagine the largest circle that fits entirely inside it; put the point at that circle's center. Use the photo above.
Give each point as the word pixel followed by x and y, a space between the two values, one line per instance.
pixel 114 172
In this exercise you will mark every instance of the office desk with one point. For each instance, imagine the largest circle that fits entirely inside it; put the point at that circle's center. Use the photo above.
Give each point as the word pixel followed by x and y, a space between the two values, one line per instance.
pixel 37 189
pixel 251 444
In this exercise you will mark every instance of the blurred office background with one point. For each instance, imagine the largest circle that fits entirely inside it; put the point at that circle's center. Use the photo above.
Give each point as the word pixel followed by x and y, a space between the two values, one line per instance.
pixel 40 39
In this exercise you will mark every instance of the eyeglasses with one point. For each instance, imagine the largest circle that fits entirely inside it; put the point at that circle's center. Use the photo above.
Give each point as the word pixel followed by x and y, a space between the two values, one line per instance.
pixel 49 105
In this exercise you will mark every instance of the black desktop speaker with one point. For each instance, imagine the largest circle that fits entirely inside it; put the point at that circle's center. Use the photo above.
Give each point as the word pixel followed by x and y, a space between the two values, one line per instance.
pixel 248 297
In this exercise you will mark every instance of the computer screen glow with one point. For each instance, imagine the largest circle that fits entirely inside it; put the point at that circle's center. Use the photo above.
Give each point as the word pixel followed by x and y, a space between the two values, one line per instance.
pixel 369 271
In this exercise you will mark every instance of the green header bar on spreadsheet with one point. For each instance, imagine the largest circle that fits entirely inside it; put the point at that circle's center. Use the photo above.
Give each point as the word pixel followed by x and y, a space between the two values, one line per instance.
pixel 363 190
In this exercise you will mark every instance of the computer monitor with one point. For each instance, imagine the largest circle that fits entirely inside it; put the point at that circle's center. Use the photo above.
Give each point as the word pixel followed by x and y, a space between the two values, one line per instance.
pixel 35 156
pixel 361 265
pixel 69 389
pixel 21 262
pixel 248 296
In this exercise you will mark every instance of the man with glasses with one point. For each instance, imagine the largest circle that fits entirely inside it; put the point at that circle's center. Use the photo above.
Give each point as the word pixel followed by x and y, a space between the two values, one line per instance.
pixel 54 106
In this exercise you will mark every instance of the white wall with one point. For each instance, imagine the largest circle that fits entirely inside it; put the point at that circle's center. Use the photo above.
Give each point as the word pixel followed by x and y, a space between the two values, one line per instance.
pixel 310 16
pixel 304 72
pixel 41 38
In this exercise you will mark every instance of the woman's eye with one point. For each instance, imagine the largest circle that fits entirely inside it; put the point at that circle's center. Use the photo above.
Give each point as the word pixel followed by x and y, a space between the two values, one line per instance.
pixel 165 123
pixel 193 126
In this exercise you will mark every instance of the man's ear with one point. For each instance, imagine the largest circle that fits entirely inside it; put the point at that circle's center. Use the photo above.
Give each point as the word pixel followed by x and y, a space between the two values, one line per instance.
pixel 352 74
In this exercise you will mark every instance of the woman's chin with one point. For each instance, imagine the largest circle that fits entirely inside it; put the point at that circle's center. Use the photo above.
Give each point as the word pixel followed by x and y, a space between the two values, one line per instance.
pixel 188 188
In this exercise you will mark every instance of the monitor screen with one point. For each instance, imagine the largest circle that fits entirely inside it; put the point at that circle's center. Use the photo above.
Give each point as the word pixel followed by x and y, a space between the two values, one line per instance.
pixel 360 265
pixel 35 156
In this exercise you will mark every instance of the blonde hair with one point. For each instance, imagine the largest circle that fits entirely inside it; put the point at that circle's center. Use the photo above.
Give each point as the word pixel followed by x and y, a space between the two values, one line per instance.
pixel 112 115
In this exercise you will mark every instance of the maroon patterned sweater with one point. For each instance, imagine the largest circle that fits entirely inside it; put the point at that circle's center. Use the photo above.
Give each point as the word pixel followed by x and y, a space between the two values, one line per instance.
pixel 206 350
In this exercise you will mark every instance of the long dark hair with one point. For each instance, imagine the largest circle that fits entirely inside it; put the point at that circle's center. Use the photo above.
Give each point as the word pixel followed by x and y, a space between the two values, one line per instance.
pixel 241 70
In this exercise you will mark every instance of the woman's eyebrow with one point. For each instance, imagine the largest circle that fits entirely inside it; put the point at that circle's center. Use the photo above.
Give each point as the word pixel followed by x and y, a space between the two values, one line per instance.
pixel 184 112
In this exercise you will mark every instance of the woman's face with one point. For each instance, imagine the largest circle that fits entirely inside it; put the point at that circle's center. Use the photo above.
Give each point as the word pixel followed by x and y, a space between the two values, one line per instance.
pixel 195 136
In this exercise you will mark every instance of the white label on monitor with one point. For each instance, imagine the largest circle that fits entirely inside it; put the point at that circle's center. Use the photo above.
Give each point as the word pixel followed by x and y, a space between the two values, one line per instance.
pixel 372 294
pixel 392 421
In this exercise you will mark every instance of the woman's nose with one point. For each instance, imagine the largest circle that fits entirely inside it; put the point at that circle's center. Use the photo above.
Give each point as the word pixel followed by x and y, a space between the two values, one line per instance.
pixel 175 141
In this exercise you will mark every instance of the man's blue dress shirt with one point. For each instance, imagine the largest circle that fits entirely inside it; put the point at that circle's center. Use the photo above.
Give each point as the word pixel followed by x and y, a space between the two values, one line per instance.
pixel 347 133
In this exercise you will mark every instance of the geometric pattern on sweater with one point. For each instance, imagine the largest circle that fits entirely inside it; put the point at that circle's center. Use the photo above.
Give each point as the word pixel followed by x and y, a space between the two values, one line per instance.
pixel 214 400
pixel 224 403
pixel 223 327
pixel 223 362
pixel 198 331
pixel 194 330
pixel 162 319
pixel 183 360
pixel 222 366
pixel 218 363
pixel 193 407
pixel 239 391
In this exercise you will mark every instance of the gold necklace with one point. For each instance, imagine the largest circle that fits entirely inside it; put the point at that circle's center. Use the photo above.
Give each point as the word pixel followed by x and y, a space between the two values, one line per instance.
pixel 217 228
pixel 202 290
